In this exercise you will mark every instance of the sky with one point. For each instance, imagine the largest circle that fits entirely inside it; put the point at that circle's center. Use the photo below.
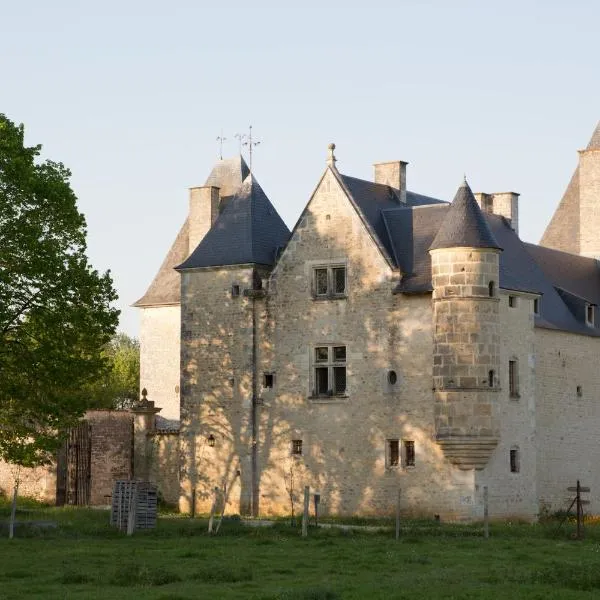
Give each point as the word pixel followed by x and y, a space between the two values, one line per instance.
pixel 131 96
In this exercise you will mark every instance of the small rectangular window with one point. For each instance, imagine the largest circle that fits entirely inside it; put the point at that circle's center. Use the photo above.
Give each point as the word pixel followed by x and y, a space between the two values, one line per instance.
pixel 329 282
pixel 589 314
pixel 514 460
pixel 409 453
pixel 513 378
pixel 536 306
pixel 393 453
pixel 512 301
pixel 296 447
pixel 268 379
pixel 235 290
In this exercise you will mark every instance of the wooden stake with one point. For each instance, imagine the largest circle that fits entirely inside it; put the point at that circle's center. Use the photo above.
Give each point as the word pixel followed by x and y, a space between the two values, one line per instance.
pixel 398 514
pixel 305 515
pixel 579 510
pixel 486 516
pixel 132 508
pixel 13 510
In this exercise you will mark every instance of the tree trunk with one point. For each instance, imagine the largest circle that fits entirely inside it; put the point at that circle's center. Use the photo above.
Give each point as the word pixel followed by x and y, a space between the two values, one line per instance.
pixel 13 511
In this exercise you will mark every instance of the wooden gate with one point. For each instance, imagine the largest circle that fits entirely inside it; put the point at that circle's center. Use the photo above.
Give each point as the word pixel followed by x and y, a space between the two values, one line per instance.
pixel 73 469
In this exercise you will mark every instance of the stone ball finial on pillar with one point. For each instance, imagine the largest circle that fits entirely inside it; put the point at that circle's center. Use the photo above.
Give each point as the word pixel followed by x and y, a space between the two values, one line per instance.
pixel 331 159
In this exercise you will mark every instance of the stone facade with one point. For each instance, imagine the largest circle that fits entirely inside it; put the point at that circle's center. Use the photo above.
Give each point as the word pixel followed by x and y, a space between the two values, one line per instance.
pixel 322 370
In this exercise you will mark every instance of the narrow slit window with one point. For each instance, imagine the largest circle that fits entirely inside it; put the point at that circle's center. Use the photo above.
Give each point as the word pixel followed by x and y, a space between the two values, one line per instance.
pixel 235 290
pixel 409 453
pixel 491 378
pixel 513 378
pixel 512 301
pixel 514 460
pixel 536 306
pixel 268 380
pixel 492 288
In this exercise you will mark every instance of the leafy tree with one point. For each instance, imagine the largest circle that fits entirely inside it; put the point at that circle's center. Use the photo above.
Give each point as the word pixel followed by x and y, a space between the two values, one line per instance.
pixel 119 387
pixel 55 310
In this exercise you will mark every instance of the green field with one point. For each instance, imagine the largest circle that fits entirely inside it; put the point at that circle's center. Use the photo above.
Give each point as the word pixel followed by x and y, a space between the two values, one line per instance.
pixel 82 557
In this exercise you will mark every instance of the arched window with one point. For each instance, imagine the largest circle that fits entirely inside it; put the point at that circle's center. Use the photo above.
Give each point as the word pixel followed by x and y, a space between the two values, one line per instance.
pixel 492 288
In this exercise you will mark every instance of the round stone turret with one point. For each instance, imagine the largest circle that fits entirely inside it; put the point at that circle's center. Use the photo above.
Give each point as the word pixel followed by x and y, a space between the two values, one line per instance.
pixel 466 351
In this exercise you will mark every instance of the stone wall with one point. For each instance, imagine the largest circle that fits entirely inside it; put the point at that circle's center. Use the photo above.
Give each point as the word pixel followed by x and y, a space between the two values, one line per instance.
pixel 112 451
pixel 568 420
pixel 345 439
pixel 38 483
pixel 216 376
pixel 159 357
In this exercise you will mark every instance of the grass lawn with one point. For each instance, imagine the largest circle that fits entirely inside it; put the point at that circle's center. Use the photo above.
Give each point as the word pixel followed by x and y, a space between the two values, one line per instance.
pixel 84 558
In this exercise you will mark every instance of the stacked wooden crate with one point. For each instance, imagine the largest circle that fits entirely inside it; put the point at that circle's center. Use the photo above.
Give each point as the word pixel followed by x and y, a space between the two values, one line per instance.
pixel 134 505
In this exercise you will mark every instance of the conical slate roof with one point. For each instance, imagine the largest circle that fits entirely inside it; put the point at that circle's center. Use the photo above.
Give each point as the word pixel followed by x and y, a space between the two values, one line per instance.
pixel 248 230
pixel 464 225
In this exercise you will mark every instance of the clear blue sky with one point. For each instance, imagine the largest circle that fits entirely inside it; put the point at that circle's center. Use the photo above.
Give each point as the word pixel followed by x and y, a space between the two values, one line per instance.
pixel 131 95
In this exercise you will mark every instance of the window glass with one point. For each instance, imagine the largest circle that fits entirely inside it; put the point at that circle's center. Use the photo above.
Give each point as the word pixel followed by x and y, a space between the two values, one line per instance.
pixel 321 282
pixel 339 280
pixel 322 354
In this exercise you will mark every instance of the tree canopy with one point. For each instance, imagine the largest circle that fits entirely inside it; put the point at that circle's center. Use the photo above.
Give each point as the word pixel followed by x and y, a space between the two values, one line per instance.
pixel 55 309
pixel 119 387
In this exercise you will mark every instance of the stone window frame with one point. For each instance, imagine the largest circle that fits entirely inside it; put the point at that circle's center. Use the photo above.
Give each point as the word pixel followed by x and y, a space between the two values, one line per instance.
pixel 409 454
pixel 330 268
pixel 513 378
pixel 297 447
pixel 393 453
pixel 331 363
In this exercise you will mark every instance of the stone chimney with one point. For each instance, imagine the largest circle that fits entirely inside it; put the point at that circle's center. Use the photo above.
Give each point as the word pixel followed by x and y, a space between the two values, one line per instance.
pixel 392 173
pixel 204 210
pixel 505 204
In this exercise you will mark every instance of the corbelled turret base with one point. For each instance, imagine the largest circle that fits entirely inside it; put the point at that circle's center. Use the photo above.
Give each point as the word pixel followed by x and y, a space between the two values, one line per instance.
pixel 468 452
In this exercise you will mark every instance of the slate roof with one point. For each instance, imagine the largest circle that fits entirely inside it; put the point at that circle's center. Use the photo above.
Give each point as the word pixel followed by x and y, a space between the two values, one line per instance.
pixel 464 225
pixel 165 288
pixel 248 230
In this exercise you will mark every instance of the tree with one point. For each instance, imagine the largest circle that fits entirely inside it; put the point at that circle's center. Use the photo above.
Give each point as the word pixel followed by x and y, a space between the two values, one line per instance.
pixel 55 309
pixel 119 387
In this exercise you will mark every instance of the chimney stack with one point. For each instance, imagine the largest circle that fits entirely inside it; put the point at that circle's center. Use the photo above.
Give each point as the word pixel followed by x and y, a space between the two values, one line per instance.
pixel 392 173
pixel 505 204
pixel 204 210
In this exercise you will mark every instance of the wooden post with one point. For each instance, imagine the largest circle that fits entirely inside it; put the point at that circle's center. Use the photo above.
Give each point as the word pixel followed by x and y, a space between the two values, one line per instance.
pixel 398 514
pixel 305 515
pixel 132 508
pixel 193 511
pixel 579 510
pixel 486 515
pixel 13 509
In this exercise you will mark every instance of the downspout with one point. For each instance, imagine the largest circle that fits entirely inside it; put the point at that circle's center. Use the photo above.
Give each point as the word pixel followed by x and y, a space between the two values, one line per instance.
pixel 254 414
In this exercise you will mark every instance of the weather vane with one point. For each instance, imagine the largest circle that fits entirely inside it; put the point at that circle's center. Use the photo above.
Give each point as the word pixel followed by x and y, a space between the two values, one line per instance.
pixel 246 140
pixel 221 139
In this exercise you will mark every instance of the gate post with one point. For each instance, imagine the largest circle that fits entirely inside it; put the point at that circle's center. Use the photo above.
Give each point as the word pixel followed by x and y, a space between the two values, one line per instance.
pixel 144 424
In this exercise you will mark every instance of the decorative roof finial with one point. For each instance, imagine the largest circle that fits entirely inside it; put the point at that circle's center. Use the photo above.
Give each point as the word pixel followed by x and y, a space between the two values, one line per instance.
pixel 331 159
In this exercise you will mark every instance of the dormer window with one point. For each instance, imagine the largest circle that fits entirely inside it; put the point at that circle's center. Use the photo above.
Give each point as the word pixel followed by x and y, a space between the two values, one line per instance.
pixel 589 314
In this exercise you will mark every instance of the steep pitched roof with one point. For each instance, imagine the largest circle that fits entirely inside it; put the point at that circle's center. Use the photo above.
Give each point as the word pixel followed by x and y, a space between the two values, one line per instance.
pixel 594 143
pixel 248 230
pixel 563 231
pixel 228 175
pixel 165 287
pixel 464 225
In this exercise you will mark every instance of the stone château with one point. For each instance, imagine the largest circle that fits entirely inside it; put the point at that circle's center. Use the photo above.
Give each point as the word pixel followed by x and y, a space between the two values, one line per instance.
pixel 390 340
